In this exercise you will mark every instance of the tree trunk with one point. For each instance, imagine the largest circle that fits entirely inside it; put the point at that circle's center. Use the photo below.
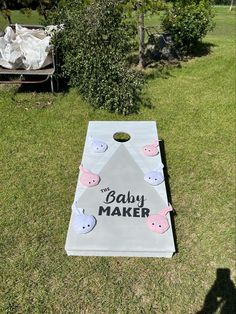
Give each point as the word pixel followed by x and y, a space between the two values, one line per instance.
pixel 231 5
pixel 42 10
pixel 7 14
pixel 141 41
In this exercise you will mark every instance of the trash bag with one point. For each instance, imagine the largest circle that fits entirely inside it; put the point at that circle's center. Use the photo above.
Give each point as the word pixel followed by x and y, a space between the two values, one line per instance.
pixel 10 53
pixel 161 47
pixel 25 48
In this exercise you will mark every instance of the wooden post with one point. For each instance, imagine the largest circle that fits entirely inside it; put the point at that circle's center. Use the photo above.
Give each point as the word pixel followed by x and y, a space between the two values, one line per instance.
pixel 231 5
pixel 7 14
pixel 42 9
pixel 141 40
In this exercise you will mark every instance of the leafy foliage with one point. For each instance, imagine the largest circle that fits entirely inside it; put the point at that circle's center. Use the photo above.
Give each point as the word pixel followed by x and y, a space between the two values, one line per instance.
pixel 188 22
pixel 25 6
pixel 144 6
pixel 222 2
pixel 94 46
pixel 31 4
pixel 141 7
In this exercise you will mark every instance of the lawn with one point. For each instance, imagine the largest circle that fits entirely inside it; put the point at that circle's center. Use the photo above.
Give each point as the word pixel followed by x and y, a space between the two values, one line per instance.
pixel 41 142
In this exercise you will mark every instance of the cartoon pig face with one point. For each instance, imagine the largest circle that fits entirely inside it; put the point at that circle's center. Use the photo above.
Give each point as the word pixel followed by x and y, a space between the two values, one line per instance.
pixel 88 178
pixel 83 223
pixel 99 146
pixel 151 150
pixel 159 223
pixel 154 177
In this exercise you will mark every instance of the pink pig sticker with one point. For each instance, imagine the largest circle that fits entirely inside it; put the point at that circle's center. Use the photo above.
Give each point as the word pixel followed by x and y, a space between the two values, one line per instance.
pixel 88 178
pixel 159 223
pixel 151 149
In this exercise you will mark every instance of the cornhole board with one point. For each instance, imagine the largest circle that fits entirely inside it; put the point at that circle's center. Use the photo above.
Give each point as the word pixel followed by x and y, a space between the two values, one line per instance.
pixel 120 232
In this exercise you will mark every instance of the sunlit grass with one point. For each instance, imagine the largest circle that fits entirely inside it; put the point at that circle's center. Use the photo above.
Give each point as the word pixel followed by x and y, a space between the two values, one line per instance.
pixel 42 138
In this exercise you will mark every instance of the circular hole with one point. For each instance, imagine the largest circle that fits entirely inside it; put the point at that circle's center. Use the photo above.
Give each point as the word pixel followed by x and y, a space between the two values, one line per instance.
pixel 121 137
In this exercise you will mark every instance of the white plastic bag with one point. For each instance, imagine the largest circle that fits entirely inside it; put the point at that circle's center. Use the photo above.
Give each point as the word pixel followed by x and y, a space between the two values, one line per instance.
pixel 10 53
pixel 25 48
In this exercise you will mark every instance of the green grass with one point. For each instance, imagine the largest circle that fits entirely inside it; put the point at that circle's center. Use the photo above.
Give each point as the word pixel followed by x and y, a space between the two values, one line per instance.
pixel 17 17
pixel 42 139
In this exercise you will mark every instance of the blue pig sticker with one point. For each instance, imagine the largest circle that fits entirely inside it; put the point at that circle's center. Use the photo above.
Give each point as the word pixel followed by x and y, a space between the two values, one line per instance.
pixel 155 177
pixel 98 146
pixel 82 223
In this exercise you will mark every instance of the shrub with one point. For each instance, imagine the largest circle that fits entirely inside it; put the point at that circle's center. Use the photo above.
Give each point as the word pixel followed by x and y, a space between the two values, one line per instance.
pixel 94 46
pixel 188 22
pixel 221 2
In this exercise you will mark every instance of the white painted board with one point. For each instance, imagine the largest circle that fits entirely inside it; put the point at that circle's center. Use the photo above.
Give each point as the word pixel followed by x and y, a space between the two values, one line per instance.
pixel 120 231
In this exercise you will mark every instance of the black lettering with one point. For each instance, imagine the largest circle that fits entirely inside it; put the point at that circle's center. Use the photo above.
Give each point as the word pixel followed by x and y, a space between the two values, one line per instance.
pixel 116 212
pixel 130 197
pixel 136 212
pixel 145 212
pixel 121 198
pixel 126 211
pixel 111 195
pixel 140 200
pixel 104 210
pixel 105 190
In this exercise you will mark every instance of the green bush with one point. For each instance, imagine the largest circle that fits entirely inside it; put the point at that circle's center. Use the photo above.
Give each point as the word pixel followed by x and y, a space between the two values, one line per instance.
pixel 188 22
pixel 222 2
pixel 94 46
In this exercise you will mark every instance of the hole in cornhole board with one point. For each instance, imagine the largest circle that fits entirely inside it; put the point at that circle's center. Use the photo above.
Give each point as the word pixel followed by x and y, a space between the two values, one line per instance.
pixel 121 137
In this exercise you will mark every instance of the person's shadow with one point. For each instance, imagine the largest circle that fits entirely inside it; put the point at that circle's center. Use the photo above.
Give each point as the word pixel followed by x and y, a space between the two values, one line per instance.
pixel 221 295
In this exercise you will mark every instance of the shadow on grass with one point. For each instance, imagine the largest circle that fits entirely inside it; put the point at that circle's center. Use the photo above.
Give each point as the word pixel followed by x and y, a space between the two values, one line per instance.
pixel 154 68
pixel 168 189
pixel 202 49
pixel 44 87
pixel 146 102
pixel 31 96
pixel 222 295
pixel 160 69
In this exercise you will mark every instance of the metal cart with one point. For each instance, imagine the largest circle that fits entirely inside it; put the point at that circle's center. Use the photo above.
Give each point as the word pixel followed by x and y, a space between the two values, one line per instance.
pixel 25 76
